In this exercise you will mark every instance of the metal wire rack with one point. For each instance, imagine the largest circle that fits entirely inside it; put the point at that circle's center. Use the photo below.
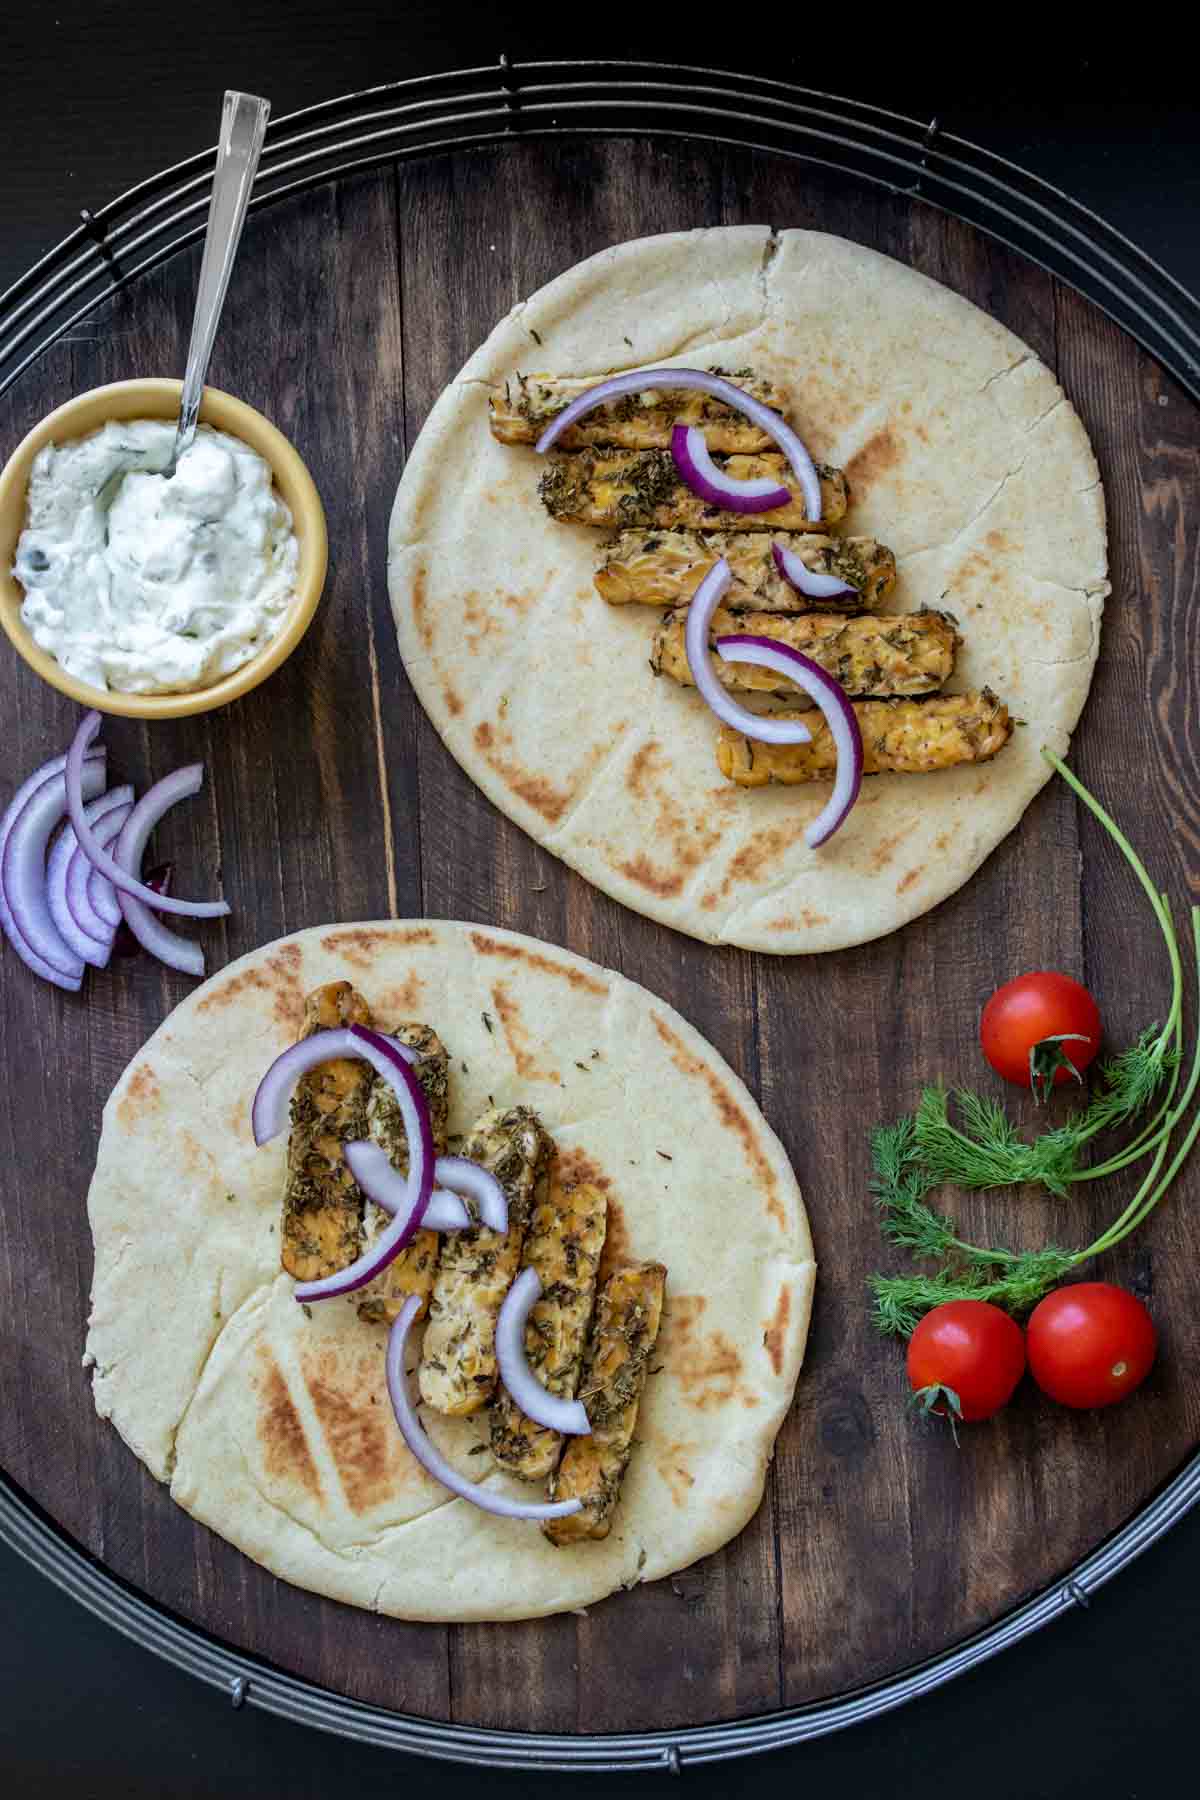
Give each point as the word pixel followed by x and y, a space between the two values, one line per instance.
pixel 461 110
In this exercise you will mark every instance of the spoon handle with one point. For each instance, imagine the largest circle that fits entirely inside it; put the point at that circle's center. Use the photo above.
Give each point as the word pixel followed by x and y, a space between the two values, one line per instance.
pixel 243 122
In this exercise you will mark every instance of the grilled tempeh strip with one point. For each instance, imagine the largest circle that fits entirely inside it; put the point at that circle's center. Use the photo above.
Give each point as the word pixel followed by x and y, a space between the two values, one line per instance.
pixel 628 1315
pixel 664 568
pixel 625 488
pixel 641 421
pixel 905 653
pixel 412 1271
pixel 904 737
pixel 476 1268
pixel 322 1206
pixel 566 1236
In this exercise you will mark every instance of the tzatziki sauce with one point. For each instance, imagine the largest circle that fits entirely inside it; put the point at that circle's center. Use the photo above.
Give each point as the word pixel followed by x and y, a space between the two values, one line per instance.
pixel 147 583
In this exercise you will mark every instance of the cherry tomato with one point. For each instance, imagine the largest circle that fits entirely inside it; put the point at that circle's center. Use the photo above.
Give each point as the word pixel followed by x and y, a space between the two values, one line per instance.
pixel 965 1358
pixel 1042 1027
pixel 1090 1344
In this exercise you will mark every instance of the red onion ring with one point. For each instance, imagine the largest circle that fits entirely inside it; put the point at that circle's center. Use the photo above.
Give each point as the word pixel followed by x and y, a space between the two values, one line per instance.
pixel 80 876
pixel 85 934
pixel 9 925
pixel 101 894
pixel 763 416
pixel 806 580
pixel 830 696
pixel 698 471
pixel 462 1176
pixel 151 933
pixel 99 857
pixel 430 1457
pixel 535 1400
pixel 23 868
pixel 700 613
pixel 372 1169
pixel 269 1115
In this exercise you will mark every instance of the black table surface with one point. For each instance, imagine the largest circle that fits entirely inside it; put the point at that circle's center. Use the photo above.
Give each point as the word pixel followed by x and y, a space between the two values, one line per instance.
pixel 98 95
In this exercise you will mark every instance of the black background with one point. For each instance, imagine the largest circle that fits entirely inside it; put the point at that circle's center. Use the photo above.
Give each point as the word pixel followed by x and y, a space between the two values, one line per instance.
pixel 98 95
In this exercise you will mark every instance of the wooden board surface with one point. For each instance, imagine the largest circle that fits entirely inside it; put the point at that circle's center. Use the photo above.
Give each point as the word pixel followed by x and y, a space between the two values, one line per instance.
pixel 331 798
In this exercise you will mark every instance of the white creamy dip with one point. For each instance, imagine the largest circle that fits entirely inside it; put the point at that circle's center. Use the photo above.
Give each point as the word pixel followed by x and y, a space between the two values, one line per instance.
pixel 147 584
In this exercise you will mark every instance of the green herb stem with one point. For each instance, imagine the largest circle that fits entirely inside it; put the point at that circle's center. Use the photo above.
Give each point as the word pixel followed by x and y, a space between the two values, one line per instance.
pixel 927 1151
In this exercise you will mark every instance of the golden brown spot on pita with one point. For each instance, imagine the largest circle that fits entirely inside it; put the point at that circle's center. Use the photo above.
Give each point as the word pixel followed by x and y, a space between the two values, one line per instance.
pixel 879 454
pixel 401 1002
pixel 753 861
pixel 453 704
pixel 884 850
pixel 575 1167
pixel 516 1036
pixel 576 978
pixel 286 1454
pixel 142 1093
pixel 671 1466
pixel 278 976
pixel 775 1336
pixel 535 790
pixel 355 1435
pixel 647 762
pixel 520 602
pixel 483 623
pixel 942 841
pixel 808 918
pixel 729 1113
pixel 356 944
pixel 707 1368
pixel 906 881
pixel 681 1312
pixel 642 870
pixel 419 611
pixel 996 540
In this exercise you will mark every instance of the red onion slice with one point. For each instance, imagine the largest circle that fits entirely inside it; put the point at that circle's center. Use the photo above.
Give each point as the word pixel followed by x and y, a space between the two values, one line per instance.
pixel 372 1169
pixel 100 857
pixel 78 926
pixel 269 1115
pixel 101 894
pixel 81 875
pixel 830 696
pixel 427 1453
pixel 700 613
pixel 808 581
pixel 462 1176
pixel 151 933
pixel 9 925
pixel 535 1401
pixel 698 471
pixel 763 416
pixel 23 868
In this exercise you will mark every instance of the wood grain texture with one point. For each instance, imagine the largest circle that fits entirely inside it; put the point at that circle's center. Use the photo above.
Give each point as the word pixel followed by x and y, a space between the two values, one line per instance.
pixel 331 797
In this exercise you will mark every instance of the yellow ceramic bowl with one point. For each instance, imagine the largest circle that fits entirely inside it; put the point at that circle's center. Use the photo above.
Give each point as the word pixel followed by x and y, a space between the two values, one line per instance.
pixel 159 399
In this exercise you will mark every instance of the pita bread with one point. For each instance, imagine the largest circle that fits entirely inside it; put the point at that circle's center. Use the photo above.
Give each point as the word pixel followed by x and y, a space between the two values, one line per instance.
pixel 963 455
pixel 273 1426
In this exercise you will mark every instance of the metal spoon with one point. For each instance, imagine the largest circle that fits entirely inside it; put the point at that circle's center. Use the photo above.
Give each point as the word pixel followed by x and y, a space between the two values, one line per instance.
pixel 243 122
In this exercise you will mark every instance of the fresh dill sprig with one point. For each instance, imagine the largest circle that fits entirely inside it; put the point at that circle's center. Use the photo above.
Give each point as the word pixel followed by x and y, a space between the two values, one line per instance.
pixel 982 1149
pixel 985 1151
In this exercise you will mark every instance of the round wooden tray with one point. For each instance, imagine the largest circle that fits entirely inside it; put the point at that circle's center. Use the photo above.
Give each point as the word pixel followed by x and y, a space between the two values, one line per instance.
pixel 879 1545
